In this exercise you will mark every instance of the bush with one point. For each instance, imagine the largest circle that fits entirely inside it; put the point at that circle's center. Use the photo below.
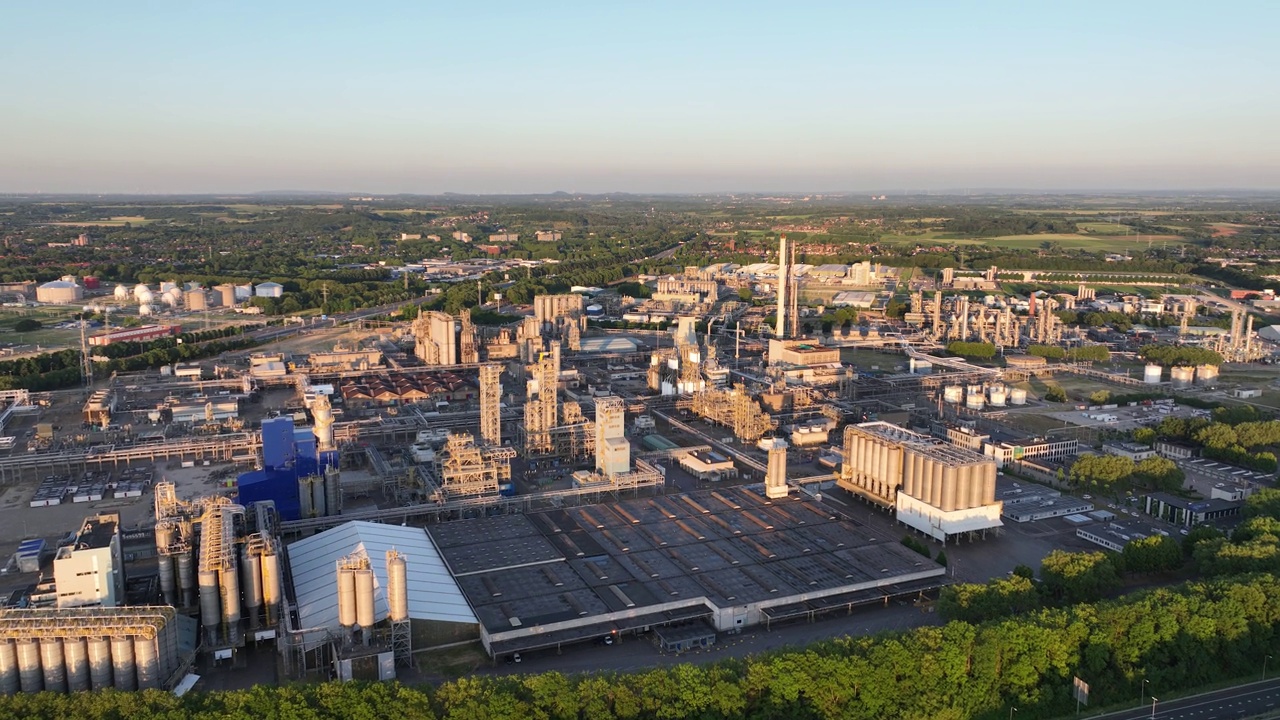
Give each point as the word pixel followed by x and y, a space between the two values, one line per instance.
pixel 27 325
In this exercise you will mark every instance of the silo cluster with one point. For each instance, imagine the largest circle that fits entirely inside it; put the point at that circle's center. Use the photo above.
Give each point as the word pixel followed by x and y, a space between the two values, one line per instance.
pixel 83 649
pixel 947 480
pixel 872 464
pixel 320 495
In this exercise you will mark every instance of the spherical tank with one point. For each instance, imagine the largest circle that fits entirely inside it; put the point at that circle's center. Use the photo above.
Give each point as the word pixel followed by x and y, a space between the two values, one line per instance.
pixel 145 310
pixel 146 297
pixel 139 289
pixel 121 292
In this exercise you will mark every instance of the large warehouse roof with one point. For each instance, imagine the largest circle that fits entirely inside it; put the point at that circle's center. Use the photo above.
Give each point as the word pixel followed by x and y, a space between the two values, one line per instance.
pixel 433 594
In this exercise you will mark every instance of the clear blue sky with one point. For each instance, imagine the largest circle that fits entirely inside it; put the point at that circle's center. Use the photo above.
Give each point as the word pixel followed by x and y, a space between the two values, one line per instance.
pixel 421 96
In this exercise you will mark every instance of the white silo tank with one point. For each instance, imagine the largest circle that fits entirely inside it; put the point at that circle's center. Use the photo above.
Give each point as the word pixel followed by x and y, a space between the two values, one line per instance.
pixel 30 677
pixel 1151 374
pixel 147 659
pixel 953 394
pixel 1017 396
pixel 121 292
pixel 172 298
pixel 397 587
pixel 123 670
pixel 346 597
pixel 9 684
pixel 139 289
pixel 1206 374
pixel 77 664
pixel 999 395
pixel 1182 376
pixel 100 674
pixel 55 669
pixel 974 401
pixel 145 310
pixel 365 609
pixel 271 585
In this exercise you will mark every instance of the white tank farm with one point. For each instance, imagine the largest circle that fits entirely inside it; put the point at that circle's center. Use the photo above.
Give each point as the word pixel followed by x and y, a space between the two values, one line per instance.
pixel 1182 376
pixel 1151 374
pixel 953 394
pixel 1017 396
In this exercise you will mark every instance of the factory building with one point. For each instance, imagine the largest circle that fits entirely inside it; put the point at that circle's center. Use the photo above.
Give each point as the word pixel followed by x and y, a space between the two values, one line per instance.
pixel 703 562
pixel 83 649
pixel 90 571
pixel 613 450
pixel 299 470
pixel 437 612
pixel 934 487
pixel 553 310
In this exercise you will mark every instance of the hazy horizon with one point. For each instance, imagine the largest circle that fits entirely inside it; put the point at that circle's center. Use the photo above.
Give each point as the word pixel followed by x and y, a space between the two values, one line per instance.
pixel 506 98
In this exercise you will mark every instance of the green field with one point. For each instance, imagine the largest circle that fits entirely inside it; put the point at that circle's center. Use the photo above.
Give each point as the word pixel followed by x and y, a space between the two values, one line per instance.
pixel 117 221
pixel 1105 228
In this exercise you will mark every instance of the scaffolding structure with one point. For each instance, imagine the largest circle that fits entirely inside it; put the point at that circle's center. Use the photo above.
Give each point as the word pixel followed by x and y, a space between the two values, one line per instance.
pixel 733 408
pixel 490 404
pixel 470 470
pixel 541 406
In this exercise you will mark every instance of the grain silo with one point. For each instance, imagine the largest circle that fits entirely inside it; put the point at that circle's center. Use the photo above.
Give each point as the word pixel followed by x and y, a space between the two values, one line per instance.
pixel 1182 377
pixel 1151 374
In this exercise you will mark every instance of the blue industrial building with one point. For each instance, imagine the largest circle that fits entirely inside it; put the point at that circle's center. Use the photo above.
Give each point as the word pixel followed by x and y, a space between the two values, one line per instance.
pixel 288 454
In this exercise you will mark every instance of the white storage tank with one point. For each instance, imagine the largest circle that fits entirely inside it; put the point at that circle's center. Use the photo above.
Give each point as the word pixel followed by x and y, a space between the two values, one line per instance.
pixel 51 660
pixel 1151 375
pixel 8 668
pixel 122 666
pixel 121 292
pixel 1017 396
pixel 365 609
pixel 974 401
pixel 100 663
pixel 1206 374
pixel 999 396
pixel 144 310
pixel 953 394
pixel 1182 376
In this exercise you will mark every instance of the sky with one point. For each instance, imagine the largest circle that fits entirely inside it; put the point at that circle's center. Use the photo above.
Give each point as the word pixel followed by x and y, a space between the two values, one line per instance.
pixel 672 97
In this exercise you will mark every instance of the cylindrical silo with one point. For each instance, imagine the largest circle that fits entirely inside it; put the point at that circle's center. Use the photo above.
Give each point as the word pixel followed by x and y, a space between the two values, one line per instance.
pixel 976 473
pixel 397 588
pixel 229 580
pixel 251 569
pixel 1182 376
pixel 989 483
pixel 148 663
pixel 187 579
pixel 974 401
pixel 935 473
pixel 168 583
pixel 1017 396
pixel 949 483
pixel 306 498
pixel 226 295
pixel 364 598
pixel 1206 374
pixel 346 597
pixel 30 677
pixel 100 674
pixel 999 395
pixel 271 585
pixel 9 684
pixel 51 662
pixel 332 492
pixel 1151 374
pixel 196 300
pixel 953 394
pixel 77 659
pixel 124 674
pixel 210 606
pixel 318 496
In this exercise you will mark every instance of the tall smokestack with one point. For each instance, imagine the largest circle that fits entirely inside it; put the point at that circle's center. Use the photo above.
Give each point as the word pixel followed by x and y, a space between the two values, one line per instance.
pixel 784 272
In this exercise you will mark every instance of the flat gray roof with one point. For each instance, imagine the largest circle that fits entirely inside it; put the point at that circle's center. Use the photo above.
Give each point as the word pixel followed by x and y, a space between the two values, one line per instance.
pixel 729 546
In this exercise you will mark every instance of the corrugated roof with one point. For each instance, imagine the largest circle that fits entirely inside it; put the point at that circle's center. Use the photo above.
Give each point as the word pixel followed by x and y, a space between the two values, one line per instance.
pixel 433 593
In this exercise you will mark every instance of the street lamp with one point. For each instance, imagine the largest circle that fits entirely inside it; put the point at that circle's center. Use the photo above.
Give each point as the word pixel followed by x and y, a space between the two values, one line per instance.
pixel 1264 666
pixel 1142 691
pixel 1012 710
pixel 1154 700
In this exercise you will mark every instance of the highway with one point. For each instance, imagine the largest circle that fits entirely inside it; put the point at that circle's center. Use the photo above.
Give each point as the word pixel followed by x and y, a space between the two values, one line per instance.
pixel 1252 700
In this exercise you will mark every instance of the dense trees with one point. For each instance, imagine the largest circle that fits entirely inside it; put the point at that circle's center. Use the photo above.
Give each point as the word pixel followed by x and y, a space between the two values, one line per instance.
pixel 1179 355
pixel 1101 472
pixel 973 350
pixel 1175 638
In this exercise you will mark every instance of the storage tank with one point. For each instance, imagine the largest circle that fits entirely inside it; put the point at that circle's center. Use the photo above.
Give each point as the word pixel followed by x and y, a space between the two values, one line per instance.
pixel 271 585
pixel 187 578
pixel 124 674
pixel 332 492
pixel 167 285
pixel 318 496
pixel 999 396
pixel 148 663
pixel 196 300
pixel 172 298
pixel 9 684
pixel 121 292
pixel 210 607
pixel 1182 376
pixel 364 598
pixel 306 498
pixel 1151 374
pixel 77 664
pixel 1017 396
pixel 30 677
pixel 51 661
pixel 346 597
pixel 99 663
pixel 1206 374
pixel 251 569
pixel 145 311
pixel 397 588
pixel 146 297
pixel 139 289
pixel 953 394
pixel 974 401
pixel 229 580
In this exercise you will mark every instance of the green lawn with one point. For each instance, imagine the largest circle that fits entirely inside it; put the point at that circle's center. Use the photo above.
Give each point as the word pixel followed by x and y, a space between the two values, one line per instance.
pixel 1105 228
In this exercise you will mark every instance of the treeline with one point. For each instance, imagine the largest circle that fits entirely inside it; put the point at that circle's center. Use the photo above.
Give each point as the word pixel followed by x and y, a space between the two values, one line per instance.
pixel 1233 436
pixel 972 350
pixel 1179 355
pixel 1091 353
pixel 985 225
pixel 1173 638
pixel 1116 473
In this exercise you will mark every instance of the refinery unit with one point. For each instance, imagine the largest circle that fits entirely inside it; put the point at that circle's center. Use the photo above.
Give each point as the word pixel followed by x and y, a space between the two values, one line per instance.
pixel 535 484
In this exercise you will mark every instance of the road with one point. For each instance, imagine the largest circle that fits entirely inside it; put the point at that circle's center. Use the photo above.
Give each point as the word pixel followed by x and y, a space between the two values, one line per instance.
pixel 1257 699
